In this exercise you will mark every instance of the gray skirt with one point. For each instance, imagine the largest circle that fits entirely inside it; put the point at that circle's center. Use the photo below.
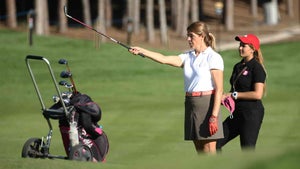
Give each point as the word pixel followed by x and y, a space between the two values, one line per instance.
pixel 197 113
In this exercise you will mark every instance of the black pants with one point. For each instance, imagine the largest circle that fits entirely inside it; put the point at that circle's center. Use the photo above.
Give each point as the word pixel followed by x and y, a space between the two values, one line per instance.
pixel 243 124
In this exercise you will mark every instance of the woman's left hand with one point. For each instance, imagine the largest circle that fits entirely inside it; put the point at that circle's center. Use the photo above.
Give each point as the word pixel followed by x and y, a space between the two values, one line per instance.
pixel 213 124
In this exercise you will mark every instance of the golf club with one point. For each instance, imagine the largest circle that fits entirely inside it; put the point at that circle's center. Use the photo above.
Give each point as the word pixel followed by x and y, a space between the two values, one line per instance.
pixel 67 74
pixel 65 84
pixel 91 28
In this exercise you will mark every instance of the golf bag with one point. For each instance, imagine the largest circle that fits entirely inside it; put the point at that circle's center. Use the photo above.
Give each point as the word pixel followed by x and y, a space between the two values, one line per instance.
pixel 86 114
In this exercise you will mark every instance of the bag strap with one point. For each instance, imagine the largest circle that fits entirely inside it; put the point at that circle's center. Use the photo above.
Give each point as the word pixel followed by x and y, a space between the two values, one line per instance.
pixel 242 71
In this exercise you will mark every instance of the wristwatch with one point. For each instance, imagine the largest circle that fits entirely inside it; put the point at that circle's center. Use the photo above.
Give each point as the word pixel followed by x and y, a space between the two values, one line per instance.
pixel 234 95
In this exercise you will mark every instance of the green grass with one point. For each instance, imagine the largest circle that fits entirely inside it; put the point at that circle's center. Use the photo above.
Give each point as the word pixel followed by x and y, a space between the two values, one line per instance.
pixel 142 105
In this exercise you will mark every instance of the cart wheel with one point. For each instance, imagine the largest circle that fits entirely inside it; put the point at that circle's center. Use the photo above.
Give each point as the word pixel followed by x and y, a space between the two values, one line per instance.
pixel 81 153
pixel 32 148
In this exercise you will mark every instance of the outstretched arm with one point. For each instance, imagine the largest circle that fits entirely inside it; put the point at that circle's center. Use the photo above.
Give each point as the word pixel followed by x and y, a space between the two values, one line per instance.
pixel 157 57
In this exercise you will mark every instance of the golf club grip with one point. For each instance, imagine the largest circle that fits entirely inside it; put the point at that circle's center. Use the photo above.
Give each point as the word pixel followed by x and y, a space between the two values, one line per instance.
pixel 142 55
pixel 34 57
pixel 127 47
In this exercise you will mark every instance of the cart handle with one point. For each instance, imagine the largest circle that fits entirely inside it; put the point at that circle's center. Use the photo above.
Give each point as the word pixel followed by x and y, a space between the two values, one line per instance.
pixel 53 79
pixel 34 57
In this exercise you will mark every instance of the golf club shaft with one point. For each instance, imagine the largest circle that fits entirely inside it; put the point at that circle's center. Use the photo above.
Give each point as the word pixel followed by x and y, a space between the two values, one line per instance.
pixel 72 82
pixel 91 28
pixel 71 79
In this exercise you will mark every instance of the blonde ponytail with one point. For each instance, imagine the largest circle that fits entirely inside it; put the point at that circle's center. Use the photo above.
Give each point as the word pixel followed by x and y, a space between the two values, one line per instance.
pixel 259 58
pixel 201 28
pixel 211 41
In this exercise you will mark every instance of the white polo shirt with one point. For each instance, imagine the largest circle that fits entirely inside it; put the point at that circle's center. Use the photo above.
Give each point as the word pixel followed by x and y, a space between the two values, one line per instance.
pixel 197 76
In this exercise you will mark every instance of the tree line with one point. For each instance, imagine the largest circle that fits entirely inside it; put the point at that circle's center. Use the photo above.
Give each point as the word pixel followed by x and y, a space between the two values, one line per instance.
pixel 172 14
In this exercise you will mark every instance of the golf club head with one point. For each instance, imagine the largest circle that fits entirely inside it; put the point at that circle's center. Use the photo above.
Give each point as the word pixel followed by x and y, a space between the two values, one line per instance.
pixel 69 86
pixel 65 10
pixel 65 74
pixel 63 83
pixel 63 61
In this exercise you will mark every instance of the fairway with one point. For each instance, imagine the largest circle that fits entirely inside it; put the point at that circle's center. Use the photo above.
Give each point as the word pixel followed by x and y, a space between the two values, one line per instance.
pixel 142 104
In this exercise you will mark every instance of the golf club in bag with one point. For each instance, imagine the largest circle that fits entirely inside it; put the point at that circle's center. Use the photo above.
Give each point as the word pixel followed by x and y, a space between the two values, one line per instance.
pixel 91 28
pixel 78 116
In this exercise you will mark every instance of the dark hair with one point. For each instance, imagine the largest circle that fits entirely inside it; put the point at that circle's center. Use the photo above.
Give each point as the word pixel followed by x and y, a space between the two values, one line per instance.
pixel 201 28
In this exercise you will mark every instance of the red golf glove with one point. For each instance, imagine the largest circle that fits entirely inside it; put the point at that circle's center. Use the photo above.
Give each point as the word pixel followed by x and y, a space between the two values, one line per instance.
pixel 213 124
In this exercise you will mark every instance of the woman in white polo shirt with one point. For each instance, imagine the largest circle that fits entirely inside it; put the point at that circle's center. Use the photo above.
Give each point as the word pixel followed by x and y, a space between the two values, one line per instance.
pixel 203 84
